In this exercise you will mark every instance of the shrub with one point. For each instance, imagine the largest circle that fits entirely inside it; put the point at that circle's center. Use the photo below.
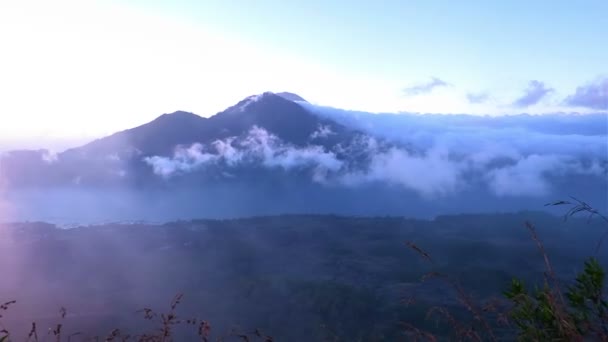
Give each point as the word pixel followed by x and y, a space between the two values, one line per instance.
pixel 546 313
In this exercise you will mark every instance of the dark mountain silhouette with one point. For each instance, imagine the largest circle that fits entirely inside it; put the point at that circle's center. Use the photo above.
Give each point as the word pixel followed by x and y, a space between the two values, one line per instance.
pixel 277 114
pixel 159 136
pixel 106 159
pixel 302 162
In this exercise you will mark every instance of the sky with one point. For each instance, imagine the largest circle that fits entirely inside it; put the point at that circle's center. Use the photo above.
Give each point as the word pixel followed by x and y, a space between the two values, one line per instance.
pixel 78 69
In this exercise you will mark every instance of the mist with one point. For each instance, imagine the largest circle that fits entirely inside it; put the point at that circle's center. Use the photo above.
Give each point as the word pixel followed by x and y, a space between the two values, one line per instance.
pixel 447 181
pixel 409 164
pixel 284 275
pixel 291 236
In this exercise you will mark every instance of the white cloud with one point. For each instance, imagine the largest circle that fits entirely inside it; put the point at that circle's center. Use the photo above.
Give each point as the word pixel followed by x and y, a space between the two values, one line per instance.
pixel 435 156
pixel 431 174
pixel 570 134
pixel 228 152
pixel 258 146
pixel 184 160
pixel 323 131
pixel 49 157
pixel 529 175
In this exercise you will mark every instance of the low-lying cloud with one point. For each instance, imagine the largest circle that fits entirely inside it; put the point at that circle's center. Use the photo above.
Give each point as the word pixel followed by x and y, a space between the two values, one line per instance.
pixel 184 160
pixel 517 155
pixel 323 131
pixel 529 176
pixel 437 156
pixel 259 146
pixel 431 175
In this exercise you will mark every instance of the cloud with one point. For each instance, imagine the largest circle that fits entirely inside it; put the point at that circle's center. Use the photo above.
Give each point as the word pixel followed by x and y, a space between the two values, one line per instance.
pixel 593 95
pixel 322 132
pixel 258 146
pixel 49 157
pixel 431 174
pixel 425 88
pixel 570 134
pixel 438 172
pixel 476 98
pixel 441 155
pixel 432 155
pixel 529 176
pixel 228 152
pixel 525 177
pixel 184 160
pixel 535 92
pixel 274 153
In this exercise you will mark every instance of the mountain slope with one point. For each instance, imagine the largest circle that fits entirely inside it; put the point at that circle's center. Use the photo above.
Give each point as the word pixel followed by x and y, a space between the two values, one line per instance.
pixel 156 137
pixel 278 115
pixel 272 112
pixel 122 155
pixel 274 154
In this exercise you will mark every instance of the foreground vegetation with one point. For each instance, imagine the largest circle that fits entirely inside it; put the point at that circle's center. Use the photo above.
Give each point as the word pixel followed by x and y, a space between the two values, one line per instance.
pixel 307 278
pixel 549 312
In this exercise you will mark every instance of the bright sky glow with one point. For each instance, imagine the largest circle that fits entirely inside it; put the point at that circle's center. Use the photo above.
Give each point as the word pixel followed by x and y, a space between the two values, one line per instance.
pixel 83 68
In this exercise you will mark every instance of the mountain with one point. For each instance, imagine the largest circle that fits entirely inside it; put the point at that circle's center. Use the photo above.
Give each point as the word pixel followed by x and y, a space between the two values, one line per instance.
pixel 276 113
pixel 276 153
pixel 159 136
pixel 122 156
pixel 291 97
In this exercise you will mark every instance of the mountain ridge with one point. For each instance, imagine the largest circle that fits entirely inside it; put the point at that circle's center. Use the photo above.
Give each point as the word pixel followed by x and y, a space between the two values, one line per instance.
pixel 268 154
pixel 108 157
pixel 187 127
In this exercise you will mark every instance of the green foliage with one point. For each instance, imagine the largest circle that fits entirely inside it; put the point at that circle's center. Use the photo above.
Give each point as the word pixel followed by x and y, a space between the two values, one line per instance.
pixel 541 316
pixel 586 298
pixel 546 313
pixel 533 313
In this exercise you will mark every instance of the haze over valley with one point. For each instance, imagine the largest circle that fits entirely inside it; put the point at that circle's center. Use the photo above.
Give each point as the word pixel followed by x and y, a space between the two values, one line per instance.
pixel 275 154
pixel 303 171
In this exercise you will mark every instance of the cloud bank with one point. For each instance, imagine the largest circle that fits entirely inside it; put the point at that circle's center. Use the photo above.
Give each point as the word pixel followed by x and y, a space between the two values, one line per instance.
pixel 432 155
pixel 518 155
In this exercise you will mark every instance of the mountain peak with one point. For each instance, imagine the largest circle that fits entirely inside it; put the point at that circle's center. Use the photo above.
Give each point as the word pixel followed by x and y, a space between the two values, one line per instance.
pixel 180 114
pixel 291 96
pixel 244 104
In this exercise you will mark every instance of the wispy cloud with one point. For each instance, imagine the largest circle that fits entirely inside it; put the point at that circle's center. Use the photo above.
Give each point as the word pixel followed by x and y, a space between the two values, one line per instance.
pixel 593 95
pixel 476 98
pixel 528 175
pixel 322 132
pixel 535 92
pixel 49 156
pixel 184 160
pixel 432 174
pixel 259 146
pixel 425 88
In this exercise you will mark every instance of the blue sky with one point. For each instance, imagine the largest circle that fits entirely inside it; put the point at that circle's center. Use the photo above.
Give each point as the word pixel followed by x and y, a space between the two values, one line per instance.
pixel 78 68
pixel 476 43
